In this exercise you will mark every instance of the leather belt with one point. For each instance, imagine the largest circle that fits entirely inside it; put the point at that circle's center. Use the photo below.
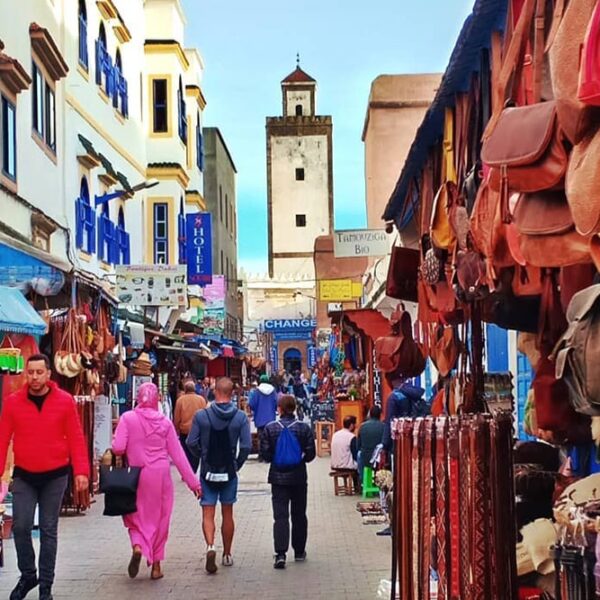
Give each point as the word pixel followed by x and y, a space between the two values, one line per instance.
pixel 427 482
pixel 417 486
pixel 454 509
pixel 441 518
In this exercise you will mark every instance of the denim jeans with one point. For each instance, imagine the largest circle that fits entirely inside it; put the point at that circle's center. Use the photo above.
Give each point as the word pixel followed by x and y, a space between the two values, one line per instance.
pixel 49 498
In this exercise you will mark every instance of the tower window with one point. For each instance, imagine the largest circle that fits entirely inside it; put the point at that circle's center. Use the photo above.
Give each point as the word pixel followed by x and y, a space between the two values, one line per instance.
pixel 298 110
pixel 300 220
pixel 299 174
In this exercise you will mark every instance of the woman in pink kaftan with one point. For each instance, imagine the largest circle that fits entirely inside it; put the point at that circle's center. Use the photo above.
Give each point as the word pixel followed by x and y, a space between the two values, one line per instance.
pixel 148 439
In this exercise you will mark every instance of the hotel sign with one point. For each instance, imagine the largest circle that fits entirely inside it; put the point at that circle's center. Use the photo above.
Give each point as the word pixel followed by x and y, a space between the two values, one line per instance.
pixel 199 248
pixel 349 243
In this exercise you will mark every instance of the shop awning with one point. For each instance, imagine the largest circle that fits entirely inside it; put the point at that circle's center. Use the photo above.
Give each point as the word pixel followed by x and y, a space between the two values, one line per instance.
pixel 370 321
pixel 487 16
pixel 17 315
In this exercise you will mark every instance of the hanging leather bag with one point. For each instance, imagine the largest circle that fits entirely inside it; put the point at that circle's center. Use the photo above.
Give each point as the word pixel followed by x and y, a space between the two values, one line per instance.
pixel 583 182
pixel 578 352
pixel 489 231
pixel 444 348
pixel 401 282
pixel 552 407
pixel 589 74
pixel 547 233
pixel 399 355
pixel 526 150
pixel 442 235
pixel 565 57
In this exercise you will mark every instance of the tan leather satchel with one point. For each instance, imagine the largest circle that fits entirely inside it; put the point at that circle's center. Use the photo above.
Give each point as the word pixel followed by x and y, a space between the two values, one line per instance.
pixel 489 231
pixel 547 233
pixel 583 182
pixel 565 61
pixel 526 150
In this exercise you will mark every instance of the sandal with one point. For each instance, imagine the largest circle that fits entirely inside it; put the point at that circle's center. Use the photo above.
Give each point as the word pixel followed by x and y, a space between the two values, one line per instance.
pixel 134 563
pixel 156 572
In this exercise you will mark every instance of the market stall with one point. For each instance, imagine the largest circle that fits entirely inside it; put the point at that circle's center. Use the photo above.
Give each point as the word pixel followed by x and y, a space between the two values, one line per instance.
pixel 500 187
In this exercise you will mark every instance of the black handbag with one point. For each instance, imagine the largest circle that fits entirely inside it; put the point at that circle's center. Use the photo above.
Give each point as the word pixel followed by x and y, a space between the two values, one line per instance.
pixel 119 486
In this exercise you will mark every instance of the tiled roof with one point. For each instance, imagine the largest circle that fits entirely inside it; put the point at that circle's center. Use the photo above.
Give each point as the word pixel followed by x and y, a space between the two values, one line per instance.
pixel 298 76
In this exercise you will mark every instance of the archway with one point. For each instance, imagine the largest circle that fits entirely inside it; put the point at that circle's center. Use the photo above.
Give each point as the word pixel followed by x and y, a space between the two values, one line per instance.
pixel 292 360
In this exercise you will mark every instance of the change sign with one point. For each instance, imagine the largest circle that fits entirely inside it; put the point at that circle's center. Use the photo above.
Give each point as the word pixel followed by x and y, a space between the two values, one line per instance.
pixel 360 242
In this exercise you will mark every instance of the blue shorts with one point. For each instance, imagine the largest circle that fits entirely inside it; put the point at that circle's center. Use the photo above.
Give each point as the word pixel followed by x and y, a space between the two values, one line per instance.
pixel 226 494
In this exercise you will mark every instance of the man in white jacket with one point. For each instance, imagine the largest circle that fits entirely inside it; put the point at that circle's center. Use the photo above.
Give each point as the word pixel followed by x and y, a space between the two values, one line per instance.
pixel 343 446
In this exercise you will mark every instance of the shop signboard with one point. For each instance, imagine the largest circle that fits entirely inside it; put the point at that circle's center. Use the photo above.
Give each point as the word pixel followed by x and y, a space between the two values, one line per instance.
pixel 274 358
pixel 213 318
pixel 151 285
pixel 339 290
pixel 199 248
pixel 283 336
pixel 282 325
pixel 349 243
pixel 312 356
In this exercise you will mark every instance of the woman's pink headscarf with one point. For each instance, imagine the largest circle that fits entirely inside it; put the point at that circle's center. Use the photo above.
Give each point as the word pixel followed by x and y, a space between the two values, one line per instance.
pixel 147 408
pixel 147 396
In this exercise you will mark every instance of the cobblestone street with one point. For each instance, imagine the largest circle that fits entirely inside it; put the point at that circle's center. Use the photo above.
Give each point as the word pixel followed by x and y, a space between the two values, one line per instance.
pixel 345 558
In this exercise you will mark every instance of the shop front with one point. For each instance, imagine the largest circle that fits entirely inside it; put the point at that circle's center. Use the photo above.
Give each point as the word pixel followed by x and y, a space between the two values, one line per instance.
pixel 291 341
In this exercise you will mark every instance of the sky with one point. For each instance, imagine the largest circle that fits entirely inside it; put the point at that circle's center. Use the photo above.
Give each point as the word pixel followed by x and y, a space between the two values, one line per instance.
pixel 248 47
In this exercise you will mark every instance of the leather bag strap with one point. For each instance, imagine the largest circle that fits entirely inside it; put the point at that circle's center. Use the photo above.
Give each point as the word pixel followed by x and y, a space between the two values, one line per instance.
pixel 417 483
pixel 514 55
pixel 429 440
pixel 465 503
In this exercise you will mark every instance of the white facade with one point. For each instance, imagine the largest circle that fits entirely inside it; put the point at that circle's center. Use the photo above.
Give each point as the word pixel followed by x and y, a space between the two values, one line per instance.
pixel 293 199
pixel 93 142
pixel 299 178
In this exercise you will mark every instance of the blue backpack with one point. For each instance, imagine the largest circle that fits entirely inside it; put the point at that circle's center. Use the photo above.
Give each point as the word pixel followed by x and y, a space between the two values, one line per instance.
pixel 287 450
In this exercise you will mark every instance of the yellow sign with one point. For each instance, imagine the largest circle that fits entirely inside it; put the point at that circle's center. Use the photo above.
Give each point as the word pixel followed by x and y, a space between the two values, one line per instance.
pixel 339 290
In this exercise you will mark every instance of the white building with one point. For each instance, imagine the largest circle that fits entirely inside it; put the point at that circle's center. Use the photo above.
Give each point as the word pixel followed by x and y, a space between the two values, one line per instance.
pixel 98 98
pixel 299 178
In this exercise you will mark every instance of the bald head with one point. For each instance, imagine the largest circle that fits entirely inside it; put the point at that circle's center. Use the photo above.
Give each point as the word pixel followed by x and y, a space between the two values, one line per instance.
pixel 224 389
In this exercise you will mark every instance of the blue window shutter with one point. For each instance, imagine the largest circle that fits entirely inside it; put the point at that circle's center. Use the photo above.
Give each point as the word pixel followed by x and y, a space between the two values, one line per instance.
pixel 91 231
pixel 79 223
pixel 126 250
pixel 497 349
pixel 99 61
pixel 100 237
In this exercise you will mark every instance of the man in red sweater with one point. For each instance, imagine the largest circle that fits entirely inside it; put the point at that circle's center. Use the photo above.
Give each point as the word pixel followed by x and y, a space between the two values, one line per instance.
pixel 48 441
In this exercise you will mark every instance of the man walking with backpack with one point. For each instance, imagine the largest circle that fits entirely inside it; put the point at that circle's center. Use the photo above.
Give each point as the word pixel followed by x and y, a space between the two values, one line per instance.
pixel 288 445
pixel 214 437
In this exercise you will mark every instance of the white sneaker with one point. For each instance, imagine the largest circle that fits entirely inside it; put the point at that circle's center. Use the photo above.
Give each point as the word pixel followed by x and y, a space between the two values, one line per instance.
pixel 227 560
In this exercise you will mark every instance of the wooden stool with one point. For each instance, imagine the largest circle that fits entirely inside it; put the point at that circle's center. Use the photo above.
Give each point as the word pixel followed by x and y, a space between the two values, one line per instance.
pixel 346 487
pixel 324 431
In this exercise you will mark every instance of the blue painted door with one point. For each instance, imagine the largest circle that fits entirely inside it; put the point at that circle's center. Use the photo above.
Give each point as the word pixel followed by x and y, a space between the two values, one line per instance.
pixel 497 349
pixel 524 378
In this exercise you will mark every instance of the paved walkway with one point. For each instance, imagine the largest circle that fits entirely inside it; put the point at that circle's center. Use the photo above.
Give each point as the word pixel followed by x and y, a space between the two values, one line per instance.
pixel 346 559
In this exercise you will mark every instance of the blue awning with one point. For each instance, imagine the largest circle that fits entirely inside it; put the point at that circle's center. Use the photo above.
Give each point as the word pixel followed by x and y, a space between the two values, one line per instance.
pixel 487 16
pixel 17 315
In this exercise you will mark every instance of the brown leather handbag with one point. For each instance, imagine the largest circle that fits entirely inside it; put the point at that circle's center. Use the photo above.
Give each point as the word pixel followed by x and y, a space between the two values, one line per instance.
pixel 489 231
pixel 444 349
pixel 547 233
pixel 401 282
pixel 583 182
pixel 565 61
pixel 526 150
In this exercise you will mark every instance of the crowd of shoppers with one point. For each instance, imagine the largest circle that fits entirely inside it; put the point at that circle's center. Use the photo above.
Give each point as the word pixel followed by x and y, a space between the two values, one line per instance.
pixel 208 431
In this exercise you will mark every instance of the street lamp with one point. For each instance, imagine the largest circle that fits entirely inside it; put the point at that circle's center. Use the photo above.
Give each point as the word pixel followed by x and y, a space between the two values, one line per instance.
pixel 105 198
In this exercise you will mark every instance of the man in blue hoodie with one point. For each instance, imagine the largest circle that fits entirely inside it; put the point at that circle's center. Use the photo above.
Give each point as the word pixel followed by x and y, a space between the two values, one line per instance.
pixel 214 437
pixel 263 404
pixel 405 401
